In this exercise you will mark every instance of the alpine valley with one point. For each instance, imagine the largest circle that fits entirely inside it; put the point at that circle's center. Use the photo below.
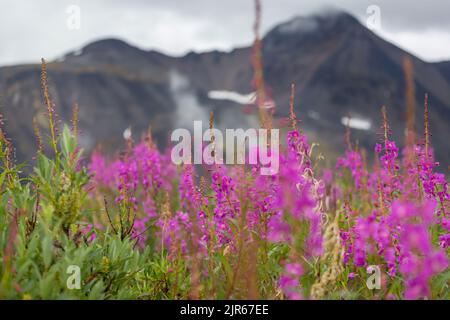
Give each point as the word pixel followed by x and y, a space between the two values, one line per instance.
pixel 340 69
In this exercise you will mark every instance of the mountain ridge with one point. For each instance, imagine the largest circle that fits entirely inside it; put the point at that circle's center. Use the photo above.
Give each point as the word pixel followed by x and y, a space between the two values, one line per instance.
pixel 339 67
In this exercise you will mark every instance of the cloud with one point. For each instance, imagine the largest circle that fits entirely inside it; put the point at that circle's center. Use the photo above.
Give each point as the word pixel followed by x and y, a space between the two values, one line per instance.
pixel 34 29
pixel 188 107
pixel 428 44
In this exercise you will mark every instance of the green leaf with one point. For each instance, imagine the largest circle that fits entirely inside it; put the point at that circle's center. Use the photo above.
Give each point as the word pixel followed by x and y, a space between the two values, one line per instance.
pixel 68 143
pixel 44 166
pixel 226 265
pixel 96 291
pixel 47 247
pixel 2 177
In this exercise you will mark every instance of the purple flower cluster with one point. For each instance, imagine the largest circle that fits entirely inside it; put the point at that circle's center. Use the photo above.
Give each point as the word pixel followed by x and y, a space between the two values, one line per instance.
pixel 394 216
pixel 408 206
pixel 135 180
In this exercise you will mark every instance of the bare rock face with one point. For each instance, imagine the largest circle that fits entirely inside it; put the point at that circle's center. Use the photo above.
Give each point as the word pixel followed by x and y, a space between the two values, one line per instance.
pixel 340 68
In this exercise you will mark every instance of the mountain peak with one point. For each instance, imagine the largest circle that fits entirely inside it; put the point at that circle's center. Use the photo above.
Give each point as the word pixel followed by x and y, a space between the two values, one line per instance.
pixel 108 44
pixel 301 31
pixel 109 50
pixel 326 20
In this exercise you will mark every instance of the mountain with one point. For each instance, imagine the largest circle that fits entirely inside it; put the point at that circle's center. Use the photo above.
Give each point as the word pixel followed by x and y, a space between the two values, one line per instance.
pixel 340 69
pixel 444 67
pixel 114 84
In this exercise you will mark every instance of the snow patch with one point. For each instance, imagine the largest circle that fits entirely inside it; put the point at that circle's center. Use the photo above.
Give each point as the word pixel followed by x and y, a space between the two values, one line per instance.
pixel 127 133
pixel 357 123
pixel 188 108
pixel 314 115
pixel 232 96
pixel 78 52
pixel 300 24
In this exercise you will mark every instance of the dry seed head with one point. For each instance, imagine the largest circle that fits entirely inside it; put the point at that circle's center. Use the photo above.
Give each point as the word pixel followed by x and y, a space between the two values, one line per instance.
pixel 37 134
pixel 9 151
pixel 347 136
pixel 385 124
pixel 105 264
pixel 149 138
pixel 50 106
pixel 265 117
pixel 65 182
pixel 211 127
pixel 45 89
pixel 292 115
pixel 75 111
pixel 211 120
pixel 426 126
pixel 332 257
pixel 410 94
pixel 165 208
pixel 204 187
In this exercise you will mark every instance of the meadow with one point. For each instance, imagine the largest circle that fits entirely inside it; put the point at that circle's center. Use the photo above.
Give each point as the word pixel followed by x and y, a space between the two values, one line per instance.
pixel 137 226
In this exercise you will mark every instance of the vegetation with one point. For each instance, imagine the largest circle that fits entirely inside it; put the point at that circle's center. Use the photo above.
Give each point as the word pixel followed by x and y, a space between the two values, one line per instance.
pixel 139 227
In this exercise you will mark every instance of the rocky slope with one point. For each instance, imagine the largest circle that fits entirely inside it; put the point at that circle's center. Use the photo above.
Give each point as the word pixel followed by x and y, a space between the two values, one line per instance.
pixel 340 68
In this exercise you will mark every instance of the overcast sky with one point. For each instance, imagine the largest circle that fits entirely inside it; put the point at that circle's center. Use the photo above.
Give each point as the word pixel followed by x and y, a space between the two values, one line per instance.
pixel 32 29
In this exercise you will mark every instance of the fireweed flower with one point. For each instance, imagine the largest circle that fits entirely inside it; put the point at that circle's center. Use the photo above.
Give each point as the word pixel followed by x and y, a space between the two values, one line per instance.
pixel 89 232
pixel 385 180
pixel 419 259
pixel 444 241
pixel 227 203
pixel 289 284
pixel 260 191
pixel 136 179
pixel 296 204
pixel 138 231
pixel 289 281
pixel 100 170
pixel 433 183
pixel 193 202
pixel 410 187
pixel 386 217
pixel 353 162
pixel 173 232
pixel 398 231
pixel 295 269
